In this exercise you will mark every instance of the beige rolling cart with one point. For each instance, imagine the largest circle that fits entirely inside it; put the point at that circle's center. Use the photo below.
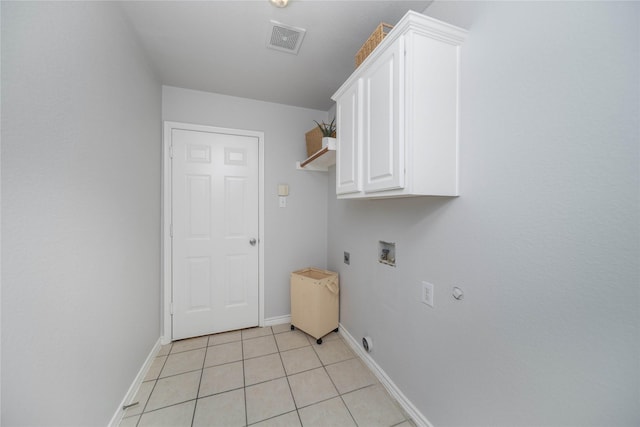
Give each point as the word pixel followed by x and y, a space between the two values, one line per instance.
pixel 315 302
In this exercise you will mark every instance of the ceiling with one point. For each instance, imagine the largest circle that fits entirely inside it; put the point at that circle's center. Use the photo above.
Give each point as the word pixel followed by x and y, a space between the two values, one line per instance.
pixel 220 46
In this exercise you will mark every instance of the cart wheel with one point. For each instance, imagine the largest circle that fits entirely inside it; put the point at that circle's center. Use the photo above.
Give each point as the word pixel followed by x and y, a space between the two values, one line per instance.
pixel 319 341
pixel 292 327
pixel 335 330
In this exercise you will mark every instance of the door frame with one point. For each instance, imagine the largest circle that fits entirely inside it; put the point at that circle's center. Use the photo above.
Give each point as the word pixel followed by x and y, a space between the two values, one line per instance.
pixel 168 127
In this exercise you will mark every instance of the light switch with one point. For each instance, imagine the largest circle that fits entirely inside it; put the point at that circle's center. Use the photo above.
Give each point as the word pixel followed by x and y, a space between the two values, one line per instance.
pixel 427 294
pixel 283 190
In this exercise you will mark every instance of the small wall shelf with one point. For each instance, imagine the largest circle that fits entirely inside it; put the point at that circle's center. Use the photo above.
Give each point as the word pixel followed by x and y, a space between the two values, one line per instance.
pixel 321 160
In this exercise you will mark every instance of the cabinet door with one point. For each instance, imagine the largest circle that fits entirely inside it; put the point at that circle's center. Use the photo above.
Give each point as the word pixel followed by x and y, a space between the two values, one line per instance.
pixel 383 139
pixel 348 159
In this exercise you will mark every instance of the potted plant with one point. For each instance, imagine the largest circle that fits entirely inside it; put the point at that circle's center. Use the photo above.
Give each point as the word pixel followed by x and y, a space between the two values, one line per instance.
pixel 317 137
pixel 328 131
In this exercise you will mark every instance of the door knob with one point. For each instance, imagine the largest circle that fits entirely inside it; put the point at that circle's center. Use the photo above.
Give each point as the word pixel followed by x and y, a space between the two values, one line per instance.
pixel 253 242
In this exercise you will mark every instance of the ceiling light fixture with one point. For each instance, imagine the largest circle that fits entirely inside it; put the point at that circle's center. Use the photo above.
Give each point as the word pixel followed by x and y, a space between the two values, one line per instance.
pixel 279 3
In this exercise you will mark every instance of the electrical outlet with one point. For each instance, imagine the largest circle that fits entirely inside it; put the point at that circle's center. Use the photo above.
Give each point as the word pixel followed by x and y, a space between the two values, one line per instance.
pixel 427 294
pixel 347 258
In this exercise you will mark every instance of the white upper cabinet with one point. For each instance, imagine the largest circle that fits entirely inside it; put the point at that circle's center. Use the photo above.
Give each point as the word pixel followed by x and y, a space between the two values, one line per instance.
pixel 397 115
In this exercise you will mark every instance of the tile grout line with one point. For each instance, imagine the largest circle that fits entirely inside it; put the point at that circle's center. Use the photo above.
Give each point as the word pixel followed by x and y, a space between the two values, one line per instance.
pixel 155 383
pixel 204 359
pixel 177 374
pixel 295 405
pixel 244 382
pixel 339 394
pixel 324 366
pixel 174 375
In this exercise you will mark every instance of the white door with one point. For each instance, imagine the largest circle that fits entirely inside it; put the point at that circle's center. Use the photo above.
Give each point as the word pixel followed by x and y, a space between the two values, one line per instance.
pixel 215 222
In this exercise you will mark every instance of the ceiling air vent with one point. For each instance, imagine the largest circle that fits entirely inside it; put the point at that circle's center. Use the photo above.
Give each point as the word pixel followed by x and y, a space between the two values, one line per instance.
pixel 285 37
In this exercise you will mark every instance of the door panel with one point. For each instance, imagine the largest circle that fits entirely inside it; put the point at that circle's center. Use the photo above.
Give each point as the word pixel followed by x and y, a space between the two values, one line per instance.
pixel 215 214
pixel 348 174
pixel 198 205
pixel 198 279
pixel 383 164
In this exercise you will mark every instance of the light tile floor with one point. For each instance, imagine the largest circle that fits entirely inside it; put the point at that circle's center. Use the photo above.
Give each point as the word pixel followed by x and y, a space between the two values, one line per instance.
pixel 262 377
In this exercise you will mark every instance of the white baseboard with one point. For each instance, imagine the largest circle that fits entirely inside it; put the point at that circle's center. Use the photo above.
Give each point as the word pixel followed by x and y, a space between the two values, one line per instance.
pixel 418 418
pixel 131 393
pixel 278 320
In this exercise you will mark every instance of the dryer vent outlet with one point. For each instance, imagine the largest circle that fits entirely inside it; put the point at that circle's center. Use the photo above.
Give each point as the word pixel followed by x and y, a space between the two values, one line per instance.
pixel 285 38
pixel 367 343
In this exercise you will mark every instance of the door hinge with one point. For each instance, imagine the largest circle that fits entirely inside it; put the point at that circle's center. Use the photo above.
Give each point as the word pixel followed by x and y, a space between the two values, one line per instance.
pixel 171 151
pixel 171 230
pixel 171 308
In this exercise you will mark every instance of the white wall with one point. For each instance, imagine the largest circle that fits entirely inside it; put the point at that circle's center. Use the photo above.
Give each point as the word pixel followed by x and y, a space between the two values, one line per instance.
pixel 0 229
pixel 295 236
pixel 81 141
pixel 544 239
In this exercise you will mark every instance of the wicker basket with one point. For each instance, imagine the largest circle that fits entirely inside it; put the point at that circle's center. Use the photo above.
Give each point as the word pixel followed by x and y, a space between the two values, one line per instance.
pixel 374 40
pixel 314 141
